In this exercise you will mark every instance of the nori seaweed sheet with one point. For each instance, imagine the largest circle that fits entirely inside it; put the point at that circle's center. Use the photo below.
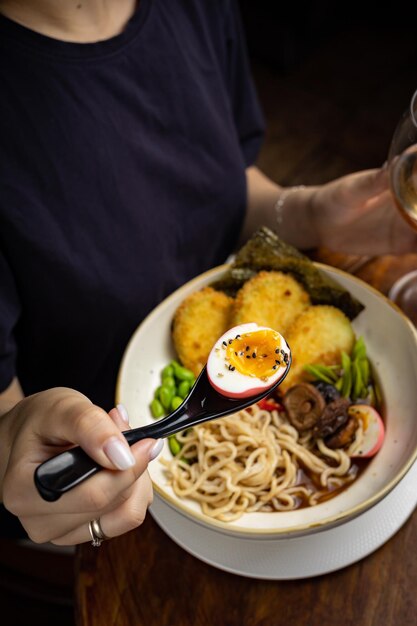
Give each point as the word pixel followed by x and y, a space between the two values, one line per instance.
pixel 266 251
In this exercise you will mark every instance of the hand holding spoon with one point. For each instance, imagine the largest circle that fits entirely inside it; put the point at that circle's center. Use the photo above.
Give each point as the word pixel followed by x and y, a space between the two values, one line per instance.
pixel 211 397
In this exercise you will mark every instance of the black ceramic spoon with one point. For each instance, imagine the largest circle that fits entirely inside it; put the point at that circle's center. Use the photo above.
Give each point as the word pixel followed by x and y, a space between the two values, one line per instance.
pixel 68 469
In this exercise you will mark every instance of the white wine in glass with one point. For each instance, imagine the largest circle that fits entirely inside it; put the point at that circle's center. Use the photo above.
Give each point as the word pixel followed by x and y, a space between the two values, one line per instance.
pixel 402 160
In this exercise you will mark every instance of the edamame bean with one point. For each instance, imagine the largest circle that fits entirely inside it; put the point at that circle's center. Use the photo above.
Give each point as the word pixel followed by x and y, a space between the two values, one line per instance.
pixel 165 396
pixel 183 389
pixel 183 374
pixel 157 409
pixel 169 381
pixel 174 445
pixel 176 402
pixel 167 371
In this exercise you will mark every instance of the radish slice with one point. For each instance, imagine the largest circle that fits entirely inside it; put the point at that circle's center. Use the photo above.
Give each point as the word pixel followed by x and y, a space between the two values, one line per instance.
pixel 373 430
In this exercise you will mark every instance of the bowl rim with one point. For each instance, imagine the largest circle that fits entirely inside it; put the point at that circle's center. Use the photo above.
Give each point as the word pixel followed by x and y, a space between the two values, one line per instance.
pixel 326 523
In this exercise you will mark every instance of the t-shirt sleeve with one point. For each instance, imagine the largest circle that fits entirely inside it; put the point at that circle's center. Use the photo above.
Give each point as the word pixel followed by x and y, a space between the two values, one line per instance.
pixel 9 314
pixel 246 108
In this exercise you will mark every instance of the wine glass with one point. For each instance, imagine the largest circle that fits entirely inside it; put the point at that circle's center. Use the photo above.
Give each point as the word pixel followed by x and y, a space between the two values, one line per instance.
pixel 402 160
pixel 402 163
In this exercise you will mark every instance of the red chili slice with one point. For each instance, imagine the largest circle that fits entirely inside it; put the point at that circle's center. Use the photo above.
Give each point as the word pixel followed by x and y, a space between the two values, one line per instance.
pixel 268 404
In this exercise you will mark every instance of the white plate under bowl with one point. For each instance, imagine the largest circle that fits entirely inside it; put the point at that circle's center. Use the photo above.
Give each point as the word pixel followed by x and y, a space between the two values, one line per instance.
pixel 392 347
pixel 298 557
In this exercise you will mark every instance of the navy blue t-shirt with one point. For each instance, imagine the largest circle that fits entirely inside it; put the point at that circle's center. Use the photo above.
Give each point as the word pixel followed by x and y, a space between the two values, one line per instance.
pixel 122 175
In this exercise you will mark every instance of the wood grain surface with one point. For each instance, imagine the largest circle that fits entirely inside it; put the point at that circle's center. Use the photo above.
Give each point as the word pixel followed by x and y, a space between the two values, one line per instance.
pixel 144 578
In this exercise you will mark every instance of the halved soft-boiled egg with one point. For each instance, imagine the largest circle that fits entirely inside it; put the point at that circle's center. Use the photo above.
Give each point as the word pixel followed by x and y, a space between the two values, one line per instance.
pixel 372 427
pixel 247 360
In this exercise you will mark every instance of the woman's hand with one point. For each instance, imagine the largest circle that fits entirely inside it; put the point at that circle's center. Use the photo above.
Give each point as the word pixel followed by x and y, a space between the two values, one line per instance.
pixel 356 214
pixel 49 422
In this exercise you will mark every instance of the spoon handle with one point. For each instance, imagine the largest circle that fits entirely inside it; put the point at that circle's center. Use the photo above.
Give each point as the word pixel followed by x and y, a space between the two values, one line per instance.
pixel 68 469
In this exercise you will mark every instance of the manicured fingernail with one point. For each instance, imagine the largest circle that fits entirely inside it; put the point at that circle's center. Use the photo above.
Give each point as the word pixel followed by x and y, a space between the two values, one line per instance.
pixel 119 453
pixel 156 449
pixel 123 412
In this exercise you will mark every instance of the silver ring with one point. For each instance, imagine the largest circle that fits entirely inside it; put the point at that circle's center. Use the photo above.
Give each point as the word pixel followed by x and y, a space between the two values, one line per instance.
pixel 96 533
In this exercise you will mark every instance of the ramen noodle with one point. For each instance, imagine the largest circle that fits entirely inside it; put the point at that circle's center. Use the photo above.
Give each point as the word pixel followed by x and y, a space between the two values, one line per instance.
pixel 256 461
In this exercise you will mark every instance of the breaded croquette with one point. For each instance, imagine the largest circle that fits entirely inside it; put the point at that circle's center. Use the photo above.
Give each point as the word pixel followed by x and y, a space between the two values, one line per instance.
pixel 271 299
pixel 198 322
pixel 318 335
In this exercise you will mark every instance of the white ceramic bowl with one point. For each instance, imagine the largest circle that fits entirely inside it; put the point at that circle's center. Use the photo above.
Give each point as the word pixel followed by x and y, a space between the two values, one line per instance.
pixel 392 348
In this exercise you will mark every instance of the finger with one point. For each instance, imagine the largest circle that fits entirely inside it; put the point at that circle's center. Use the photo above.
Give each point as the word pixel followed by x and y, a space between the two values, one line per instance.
pixel 73 418
pixel 120 417
pixel 46 527
pixel 363 185
pixel 126 517
pixel 92 496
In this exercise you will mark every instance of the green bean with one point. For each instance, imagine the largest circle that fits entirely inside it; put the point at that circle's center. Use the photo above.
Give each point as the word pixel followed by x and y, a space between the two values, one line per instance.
pixel 174 445
pixel 167 371
pixel 181 373
pixel 319 375
pixel 176 402
pixel 357 383
pixel 359 349
pixel 183 389
pixel 347 375
pixel 175 365
pixel 169 381
pixel 327 373
pixel 372 396
pixel 157 409
pixel 365 371
pixel 165 396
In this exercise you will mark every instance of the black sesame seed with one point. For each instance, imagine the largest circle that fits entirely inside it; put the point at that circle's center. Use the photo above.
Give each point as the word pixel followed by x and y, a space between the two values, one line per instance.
pixel 247 348
pixel 283 352
pixel 247 356
pixel 230 340
pixel 237 337
pixel 277 362
pixel 274 367
pixel 236 353
pixel 224 343
pixel 264 356
pixel 253 355
pixel 233 368
pixel 277 351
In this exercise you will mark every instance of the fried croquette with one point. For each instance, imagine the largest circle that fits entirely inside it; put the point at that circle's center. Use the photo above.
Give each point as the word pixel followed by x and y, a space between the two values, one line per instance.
pixel 319 335
pixel 198 322
pixel 271 299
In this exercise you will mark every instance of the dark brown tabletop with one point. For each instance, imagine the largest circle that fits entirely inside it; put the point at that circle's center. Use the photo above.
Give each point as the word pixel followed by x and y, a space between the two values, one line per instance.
pixel 144 578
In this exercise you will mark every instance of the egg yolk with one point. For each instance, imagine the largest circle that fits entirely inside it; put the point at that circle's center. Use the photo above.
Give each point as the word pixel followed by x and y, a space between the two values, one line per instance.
pixel 255 354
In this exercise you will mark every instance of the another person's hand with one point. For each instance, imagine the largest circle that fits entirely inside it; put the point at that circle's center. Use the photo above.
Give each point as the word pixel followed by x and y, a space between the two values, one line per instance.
pixel 356 214
pixel 49 422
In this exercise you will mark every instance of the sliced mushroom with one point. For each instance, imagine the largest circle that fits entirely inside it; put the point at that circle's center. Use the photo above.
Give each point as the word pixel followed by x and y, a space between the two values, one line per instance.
pixel 304 406
pixel 344 436
pixel 332 418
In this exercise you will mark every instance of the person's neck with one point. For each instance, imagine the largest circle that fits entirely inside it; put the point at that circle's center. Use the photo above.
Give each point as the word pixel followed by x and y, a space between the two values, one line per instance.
pixel 82 21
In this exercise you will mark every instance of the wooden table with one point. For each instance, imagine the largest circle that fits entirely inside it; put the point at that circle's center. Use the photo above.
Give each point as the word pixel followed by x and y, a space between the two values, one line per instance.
pixel 144 578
